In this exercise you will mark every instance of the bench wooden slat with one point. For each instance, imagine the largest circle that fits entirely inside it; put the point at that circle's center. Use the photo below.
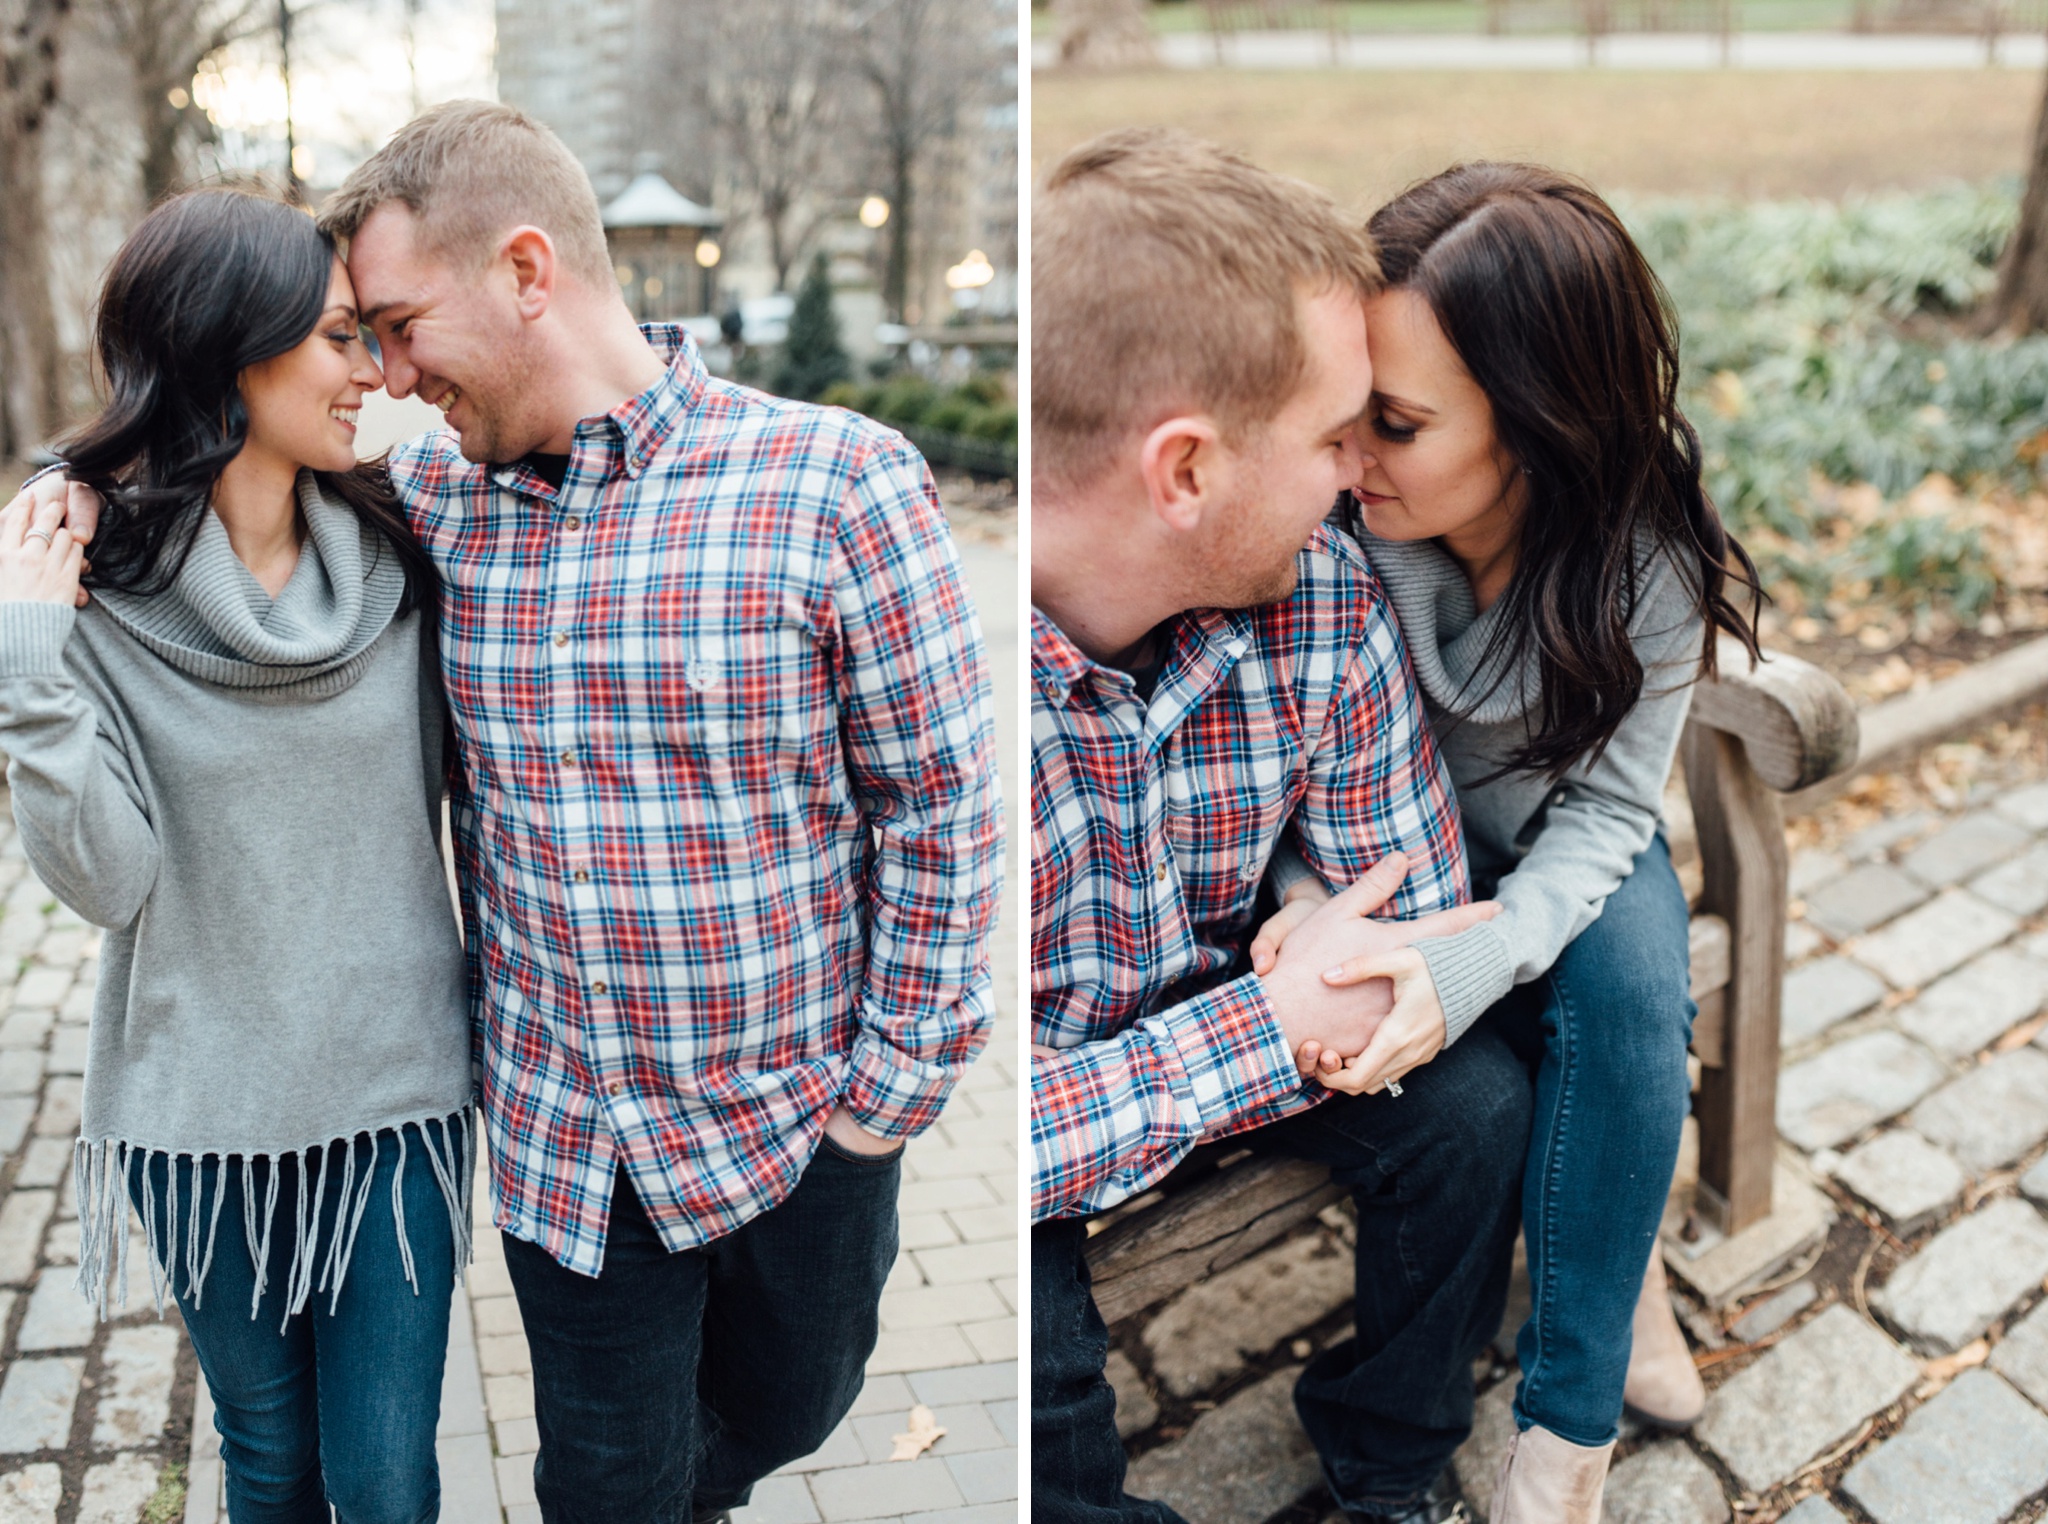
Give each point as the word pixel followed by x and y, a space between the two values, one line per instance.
pixel 1708 949
pixel 1149 1255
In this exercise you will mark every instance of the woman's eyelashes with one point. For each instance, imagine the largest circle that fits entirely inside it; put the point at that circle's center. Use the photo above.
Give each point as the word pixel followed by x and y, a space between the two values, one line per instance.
pixel 1392 431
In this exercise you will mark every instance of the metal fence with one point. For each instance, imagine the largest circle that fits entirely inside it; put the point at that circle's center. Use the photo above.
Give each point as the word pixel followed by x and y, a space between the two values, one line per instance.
pixel 1337 21
pixel 964 452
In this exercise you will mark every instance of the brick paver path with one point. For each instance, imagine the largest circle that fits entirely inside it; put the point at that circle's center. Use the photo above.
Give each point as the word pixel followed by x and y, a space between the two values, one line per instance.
pixel 98 1422
pixel 1895 1370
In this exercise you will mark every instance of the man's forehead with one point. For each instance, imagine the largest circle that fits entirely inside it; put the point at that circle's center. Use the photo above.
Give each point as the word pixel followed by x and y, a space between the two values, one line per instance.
pixel 385 261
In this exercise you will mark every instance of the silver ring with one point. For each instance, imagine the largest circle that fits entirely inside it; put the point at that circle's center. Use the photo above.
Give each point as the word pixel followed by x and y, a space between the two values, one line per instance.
pixel 1393 1087
pixel 40 534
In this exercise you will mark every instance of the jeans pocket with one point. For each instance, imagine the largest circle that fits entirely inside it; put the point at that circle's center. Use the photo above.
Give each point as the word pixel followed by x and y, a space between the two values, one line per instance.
pixel 827 1145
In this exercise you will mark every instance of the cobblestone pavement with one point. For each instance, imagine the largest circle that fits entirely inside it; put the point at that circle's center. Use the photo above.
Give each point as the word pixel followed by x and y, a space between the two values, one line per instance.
pixel 109 1425
pixel 1878 1353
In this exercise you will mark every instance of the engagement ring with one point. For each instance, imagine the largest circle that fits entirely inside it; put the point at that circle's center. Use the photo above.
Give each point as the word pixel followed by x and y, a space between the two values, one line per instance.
pixel 39 534
pixel 1393 1087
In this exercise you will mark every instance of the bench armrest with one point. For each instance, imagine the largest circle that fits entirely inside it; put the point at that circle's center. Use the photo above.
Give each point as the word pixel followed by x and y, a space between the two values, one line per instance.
pixel 1796 722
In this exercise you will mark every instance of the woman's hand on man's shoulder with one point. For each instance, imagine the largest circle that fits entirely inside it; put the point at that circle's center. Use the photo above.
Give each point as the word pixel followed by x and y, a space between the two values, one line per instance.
pixel 41 559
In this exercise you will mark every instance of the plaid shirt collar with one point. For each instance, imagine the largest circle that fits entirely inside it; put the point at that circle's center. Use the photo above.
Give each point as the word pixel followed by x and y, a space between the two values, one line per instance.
pixel 630 435
pixel 1205 644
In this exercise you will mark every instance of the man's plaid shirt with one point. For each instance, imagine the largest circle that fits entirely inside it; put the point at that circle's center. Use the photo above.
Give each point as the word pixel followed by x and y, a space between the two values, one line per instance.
pixel 1151 828
pixel 727 818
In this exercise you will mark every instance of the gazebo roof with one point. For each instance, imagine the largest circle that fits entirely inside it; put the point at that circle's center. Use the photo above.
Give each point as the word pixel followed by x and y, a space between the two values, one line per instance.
pixel 651 202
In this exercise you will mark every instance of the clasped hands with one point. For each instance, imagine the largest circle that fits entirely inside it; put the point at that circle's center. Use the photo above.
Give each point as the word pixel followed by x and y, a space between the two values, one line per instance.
pixel 1353 997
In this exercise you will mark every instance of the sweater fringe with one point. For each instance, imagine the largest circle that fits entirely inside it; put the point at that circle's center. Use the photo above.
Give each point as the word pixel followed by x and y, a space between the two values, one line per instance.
pixel 100 1173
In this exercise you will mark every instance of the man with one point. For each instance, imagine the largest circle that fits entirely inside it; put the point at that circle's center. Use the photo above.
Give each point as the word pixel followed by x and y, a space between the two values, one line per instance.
pixel 1214 672
pixel 727 822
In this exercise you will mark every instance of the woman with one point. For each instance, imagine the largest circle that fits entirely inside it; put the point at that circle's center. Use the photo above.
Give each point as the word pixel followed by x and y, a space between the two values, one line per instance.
pixel 1531 501
pixel 230 757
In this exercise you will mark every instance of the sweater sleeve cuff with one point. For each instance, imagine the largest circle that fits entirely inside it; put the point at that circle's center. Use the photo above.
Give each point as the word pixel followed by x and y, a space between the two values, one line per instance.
pixel 1471 971
pixel 1288 868
pixel 1232 1050
pixel 32 637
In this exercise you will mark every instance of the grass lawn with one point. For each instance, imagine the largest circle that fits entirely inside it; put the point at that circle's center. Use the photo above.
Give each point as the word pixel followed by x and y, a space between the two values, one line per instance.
pixel 1747 134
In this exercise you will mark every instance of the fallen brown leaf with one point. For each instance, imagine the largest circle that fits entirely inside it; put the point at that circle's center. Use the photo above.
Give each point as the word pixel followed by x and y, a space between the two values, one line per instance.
pixel 1948 1367
pixel 924 1433
pixel 2020 1035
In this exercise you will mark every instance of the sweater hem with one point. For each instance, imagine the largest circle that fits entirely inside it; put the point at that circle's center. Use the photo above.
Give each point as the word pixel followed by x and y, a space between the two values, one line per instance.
pixel 100 1171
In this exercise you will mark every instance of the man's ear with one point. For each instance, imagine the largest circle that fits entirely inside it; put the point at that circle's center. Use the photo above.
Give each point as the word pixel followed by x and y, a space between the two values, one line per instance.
pixel 530 254
pixel 1179 462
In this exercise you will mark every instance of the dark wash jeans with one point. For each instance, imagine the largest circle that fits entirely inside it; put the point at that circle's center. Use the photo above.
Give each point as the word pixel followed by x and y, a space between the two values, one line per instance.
pixel 1606 1031
pixel 341 1406
pixel 1435 1174
pixel 669 1384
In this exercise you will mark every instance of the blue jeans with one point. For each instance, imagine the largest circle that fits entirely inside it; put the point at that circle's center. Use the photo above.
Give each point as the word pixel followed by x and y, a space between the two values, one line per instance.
pixel 340 1407
pixel 669 1383
pixel 1434 1174
pixel 1606 1030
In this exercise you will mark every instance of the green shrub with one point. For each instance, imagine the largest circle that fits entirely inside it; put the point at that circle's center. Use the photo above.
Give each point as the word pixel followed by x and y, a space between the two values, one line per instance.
pixel 997 423
pixel 952 415
pixel 1820 349
pixel 813 357
pixel 904 400
pixel 989 391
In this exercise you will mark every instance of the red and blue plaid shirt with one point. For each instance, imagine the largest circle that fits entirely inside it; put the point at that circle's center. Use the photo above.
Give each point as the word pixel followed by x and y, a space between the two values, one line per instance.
pixel 1151 828
pixel 727 820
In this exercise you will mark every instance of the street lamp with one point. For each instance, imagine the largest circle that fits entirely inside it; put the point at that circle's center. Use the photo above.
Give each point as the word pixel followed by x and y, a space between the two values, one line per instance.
pixel 972 273
pixel 708 253
pixel 874 212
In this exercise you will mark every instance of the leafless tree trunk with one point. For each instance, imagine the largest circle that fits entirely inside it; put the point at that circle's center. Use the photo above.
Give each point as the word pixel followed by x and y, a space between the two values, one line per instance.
pixel 1103 34
pixel 29 397
pixel 776 96
pixel 165 42
pixel 2021 302
pixel 920 57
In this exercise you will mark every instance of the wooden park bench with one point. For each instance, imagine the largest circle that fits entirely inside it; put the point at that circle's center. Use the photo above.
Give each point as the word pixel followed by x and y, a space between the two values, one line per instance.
pixel 1753 736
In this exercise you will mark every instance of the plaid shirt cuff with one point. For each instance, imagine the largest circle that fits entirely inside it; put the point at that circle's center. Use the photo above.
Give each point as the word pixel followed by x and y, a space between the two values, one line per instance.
pixel 895 1095
pixel 1232 1051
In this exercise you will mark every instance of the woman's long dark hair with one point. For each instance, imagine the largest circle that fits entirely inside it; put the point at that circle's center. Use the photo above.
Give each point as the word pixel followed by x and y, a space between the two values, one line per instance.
pixel 211 282
pixel 1561 321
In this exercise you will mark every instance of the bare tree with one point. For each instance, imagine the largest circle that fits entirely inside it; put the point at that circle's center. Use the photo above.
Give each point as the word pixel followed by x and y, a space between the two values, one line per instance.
pixel 2020 303
pixel 165 42
pixel 1103 34
pixel 777 96
pixel 922 59
pixel 29 366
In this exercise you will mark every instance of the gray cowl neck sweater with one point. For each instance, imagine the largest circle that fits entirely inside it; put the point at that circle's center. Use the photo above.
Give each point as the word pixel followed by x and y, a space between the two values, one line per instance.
pixel 1551 854
pixel 246 793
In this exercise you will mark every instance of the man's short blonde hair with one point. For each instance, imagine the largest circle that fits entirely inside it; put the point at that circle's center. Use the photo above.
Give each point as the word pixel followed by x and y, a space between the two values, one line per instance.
pixel 1165 273
pixel 471 171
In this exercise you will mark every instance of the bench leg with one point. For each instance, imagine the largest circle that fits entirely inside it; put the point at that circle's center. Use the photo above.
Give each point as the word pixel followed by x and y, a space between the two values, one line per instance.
pixel 1742 854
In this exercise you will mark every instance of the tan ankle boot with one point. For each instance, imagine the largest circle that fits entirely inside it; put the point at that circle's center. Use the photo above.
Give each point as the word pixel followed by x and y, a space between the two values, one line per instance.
pixel 1663 1386
pixel 1547 1480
